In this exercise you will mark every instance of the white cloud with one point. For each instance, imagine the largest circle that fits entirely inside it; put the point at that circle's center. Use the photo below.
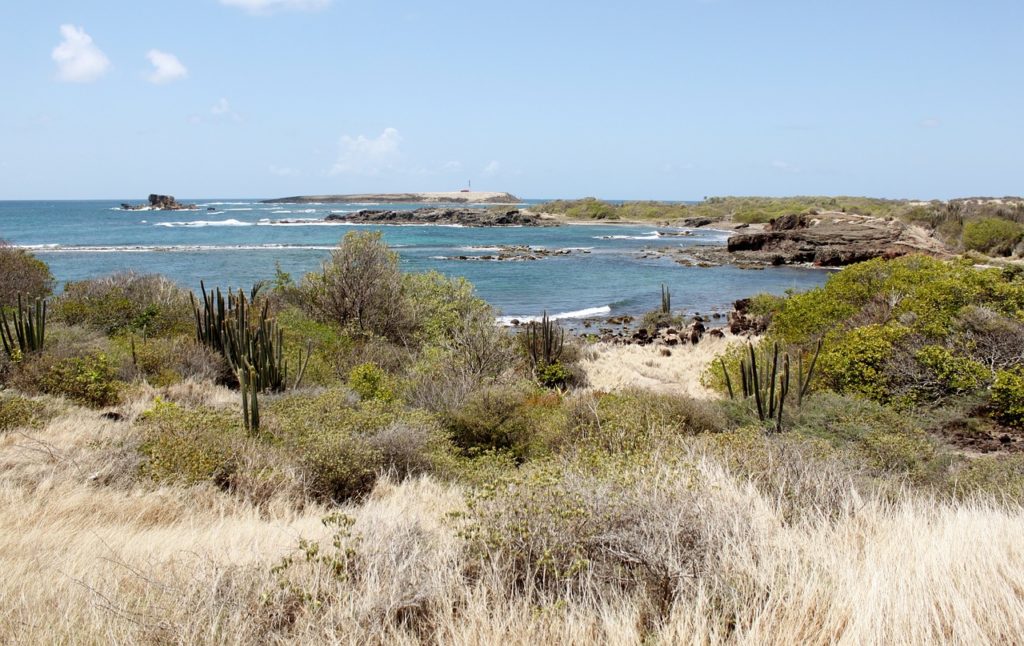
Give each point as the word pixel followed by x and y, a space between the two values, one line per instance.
pixel 931 123
pixel 451 166
pixel 223 109
pixel 270 6
pixel 78 59
pixel 491 169
pixel 368 156
pixel 166 67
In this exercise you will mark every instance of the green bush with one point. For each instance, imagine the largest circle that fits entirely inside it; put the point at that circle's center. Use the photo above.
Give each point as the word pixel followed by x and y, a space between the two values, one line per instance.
pixel 856 362
pixel 127 302
pixel 20 412
pixel 553 375
pixel 162 361
pixel 90 380
pixel 492 418
pixel 953 373
pixel 190 446
pixel 1008 396
pixel 339 445
pixel 330 346
pixel 359 288
pixel 369 381
pixel 639 419
pixel 997 476
pixel 994 236
pixel 22 274
pixel 879 438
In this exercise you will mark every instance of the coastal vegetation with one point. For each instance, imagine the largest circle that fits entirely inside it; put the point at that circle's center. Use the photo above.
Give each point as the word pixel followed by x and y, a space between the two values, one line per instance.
pixel 418 474
pixel 994 226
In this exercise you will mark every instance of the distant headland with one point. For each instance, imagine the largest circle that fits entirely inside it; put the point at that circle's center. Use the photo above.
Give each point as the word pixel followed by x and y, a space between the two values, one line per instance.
pixel 450 197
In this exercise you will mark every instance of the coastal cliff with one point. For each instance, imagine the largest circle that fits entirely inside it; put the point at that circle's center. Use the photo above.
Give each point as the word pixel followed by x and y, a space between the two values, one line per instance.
pixel 451 197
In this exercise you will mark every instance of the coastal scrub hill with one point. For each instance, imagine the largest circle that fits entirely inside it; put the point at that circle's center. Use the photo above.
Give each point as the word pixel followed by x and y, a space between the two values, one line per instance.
pixel 989 225
pixel 361 455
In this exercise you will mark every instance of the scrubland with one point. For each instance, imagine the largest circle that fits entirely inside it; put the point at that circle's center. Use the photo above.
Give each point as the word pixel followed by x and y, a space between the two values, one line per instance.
pixel 419 475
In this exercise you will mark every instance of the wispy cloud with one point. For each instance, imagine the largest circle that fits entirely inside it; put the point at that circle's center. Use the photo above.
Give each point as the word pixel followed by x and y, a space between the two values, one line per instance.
pixel 284 171
pixel 931 122
pixel 785 166
pixel 271 6
pixel 78 59
pixel 491 169
pixel 219 111
pixel 166 67
pixel 363 155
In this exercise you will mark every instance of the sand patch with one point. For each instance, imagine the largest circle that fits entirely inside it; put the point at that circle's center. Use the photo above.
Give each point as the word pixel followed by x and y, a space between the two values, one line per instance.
pixel 616 367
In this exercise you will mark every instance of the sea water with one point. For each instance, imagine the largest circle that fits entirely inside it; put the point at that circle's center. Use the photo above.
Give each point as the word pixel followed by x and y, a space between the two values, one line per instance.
pixel 235 242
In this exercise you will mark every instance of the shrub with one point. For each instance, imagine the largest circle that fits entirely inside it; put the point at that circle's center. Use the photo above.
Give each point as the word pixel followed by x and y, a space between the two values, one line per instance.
pixel 1001 477
pixel 880 439
pixel 369 381
pixel 639 419
pixel 20 412
pixel 169 360
pixel 994 236
pixel 856 362
pixel 1008 396
pixel 553 375
pixel 329 345
pixel 359 287
pixel 439 308
pixel 22 274
pixel 492 418
pixel 189 445
pixel 90 380
pixel 143 303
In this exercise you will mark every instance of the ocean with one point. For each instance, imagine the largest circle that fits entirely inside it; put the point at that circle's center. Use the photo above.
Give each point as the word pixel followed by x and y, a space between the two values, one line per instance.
pixel 235 242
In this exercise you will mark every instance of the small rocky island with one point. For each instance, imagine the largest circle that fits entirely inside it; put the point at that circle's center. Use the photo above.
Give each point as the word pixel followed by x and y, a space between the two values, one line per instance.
pixel 159 203
pixel 450 197
pixel 466 217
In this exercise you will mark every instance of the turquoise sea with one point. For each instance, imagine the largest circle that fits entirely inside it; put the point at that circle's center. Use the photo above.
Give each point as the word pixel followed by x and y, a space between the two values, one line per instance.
pixel 234 242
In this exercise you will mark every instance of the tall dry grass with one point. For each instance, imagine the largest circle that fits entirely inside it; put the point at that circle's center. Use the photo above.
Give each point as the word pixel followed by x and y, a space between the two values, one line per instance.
pixel 91 554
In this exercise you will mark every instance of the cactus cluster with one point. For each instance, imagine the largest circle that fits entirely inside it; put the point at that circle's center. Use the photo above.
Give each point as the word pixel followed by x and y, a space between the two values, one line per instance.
pixel 769 387
pixel 251 343
pixel 29 329
pixel 545 340
pixel 666 300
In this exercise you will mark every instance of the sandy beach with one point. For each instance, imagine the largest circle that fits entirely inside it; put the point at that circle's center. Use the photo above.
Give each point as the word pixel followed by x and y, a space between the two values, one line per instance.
pixel 618 367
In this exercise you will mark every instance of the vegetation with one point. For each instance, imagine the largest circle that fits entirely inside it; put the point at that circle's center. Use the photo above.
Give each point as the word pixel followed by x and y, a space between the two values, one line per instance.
pixel 991 226
pixel 433 472
pixel 23 274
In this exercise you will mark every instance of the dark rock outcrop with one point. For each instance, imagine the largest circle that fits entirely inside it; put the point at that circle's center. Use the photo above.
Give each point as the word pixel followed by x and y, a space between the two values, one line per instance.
pixel 159 203
pixel 466 217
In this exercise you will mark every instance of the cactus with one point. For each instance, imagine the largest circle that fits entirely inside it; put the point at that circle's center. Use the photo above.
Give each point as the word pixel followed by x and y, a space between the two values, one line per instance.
pixel 250 400
pixel 247 342
pixel 544 341
pixel 29 329
pixel 769 388
pixel 666 300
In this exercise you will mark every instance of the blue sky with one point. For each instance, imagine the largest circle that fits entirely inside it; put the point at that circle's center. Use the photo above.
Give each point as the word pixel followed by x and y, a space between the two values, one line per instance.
pixel 661 100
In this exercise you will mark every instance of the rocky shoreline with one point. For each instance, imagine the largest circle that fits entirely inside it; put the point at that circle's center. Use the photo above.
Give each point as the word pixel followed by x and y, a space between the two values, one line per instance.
pixel 815 240
pixel 514 253
pixel 466 217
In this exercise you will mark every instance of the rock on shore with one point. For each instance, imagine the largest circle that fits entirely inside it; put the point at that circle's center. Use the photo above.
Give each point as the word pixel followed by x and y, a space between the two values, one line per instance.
pixel 159 203
pixel 456 216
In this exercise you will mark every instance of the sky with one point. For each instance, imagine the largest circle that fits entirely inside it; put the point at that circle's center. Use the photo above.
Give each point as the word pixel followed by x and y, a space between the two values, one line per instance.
pixel 561 98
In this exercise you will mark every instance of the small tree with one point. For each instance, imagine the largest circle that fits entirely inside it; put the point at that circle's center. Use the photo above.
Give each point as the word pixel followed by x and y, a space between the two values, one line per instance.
pixel 22 273
pixel 360 286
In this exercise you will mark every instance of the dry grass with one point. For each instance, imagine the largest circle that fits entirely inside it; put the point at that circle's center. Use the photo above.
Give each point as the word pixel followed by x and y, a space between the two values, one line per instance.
pixel 90 554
